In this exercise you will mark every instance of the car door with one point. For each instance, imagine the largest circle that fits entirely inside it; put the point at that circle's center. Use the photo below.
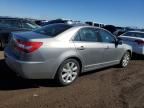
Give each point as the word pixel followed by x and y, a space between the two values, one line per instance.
pixel 89 47
pixel 113 52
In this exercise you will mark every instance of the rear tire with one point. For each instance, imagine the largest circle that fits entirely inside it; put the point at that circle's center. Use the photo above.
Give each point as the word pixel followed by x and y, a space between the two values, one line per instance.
pixel 125 60
pixel 67 72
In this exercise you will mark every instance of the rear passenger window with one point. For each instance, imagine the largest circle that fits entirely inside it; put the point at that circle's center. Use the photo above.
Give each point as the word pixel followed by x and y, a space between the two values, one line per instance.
pixel 77 37
pixel 87 35
pixel 106 37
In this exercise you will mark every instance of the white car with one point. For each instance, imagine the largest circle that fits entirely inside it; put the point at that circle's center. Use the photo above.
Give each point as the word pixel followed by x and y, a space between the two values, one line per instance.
pixel 134 39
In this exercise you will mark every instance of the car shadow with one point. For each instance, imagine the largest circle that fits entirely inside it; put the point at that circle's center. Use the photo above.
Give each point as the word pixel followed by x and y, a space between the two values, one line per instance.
pixel 10 81
pixel 137 57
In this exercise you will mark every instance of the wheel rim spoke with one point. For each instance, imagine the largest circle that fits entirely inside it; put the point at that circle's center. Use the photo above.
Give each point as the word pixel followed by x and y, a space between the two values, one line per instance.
pixel 64 75
pixel 70 78
pixel 65 70
pixel 74 74
pixel 72 65
pixel 66 80
pixel 68 66
pixel 75 68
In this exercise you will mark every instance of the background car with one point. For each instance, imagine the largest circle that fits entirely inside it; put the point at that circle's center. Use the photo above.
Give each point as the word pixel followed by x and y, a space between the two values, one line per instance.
pixel 134 39
pixel 95 24
pixel 118 32
pixel 62 51
pixel 64 21
pixel 9 24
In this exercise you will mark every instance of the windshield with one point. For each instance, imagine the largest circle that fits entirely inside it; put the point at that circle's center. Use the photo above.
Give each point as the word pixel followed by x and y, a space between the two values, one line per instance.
pixel 134 34
pixel 53 29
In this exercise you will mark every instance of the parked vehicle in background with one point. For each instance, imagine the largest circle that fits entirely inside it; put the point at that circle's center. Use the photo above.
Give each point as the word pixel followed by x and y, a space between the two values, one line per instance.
pixel 64 21
pixel 62 51
pixel 118 32
pixel 95 24
pixel 40 22
pixel 8 25
pixel 134 39
pixel 110 28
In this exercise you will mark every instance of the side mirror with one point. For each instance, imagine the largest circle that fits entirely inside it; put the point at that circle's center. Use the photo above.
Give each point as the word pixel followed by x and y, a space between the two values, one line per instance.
pixel 119 41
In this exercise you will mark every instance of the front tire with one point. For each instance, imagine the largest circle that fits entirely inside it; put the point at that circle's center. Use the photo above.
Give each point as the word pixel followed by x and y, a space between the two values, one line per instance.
pixel 67 72
pixel 125 60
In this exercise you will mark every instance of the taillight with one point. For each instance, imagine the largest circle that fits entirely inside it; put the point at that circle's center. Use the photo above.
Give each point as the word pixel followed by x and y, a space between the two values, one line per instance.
pixel 27 46
pixel 140 42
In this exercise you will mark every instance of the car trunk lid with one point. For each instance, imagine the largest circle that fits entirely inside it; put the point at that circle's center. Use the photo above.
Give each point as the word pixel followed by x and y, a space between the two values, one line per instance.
pixel 26 43
pixel 132 40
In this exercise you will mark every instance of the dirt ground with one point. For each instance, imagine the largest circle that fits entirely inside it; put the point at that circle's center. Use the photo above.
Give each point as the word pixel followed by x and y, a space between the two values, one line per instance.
pixel 106 88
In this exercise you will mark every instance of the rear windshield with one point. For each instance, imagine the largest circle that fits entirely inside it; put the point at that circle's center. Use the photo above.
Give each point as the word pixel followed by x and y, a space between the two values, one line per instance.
pixel 134 34
pixel 53 29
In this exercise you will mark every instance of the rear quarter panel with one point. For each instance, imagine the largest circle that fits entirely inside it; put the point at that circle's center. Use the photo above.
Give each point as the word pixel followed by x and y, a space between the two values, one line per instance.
pixel 56 52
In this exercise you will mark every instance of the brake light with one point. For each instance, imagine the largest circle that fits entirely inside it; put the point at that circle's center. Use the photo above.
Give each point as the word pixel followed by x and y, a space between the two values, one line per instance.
pixel 140 42
pixel 27 46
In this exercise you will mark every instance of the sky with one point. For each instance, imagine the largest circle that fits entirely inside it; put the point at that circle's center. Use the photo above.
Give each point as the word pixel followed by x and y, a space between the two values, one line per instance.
pixel 116 12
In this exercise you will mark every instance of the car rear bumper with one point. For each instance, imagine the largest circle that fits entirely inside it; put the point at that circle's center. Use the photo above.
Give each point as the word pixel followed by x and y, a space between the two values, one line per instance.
pixel 138 50
pixel 30 70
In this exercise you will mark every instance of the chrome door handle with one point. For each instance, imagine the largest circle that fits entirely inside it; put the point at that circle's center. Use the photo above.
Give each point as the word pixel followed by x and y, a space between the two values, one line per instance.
pixel 81 48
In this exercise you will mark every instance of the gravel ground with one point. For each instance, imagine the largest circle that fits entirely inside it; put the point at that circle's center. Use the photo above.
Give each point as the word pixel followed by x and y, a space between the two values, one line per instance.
pixel 106 88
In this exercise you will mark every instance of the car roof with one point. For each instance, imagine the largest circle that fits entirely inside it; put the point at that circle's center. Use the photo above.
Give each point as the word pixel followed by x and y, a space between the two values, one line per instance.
pixel 80 25
pixel 136 31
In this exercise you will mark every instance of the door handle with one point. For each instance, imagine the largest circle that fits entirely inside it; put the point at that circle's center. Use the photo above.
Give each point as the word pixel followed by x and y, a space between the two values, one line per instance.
pixel 81 48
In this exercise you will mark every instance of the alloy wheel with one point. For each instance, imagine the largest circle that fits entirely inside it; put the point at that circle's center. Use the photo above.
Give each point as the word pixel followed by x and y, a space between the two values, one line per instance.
pixel 69 72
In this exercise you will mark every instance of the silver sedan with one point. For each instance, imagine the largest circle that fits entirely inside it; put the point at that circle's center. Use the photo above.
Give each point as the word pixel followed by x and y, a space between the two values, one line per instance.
pixel 62 52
